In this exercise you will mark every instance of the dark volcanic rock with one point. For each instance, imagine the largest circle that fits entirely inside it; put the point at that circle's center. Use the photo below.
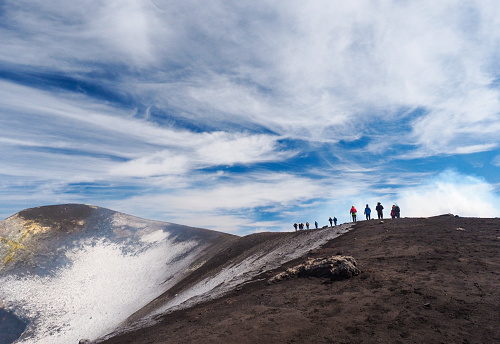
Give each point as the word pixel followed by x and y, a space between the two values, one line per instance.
pixel 11 327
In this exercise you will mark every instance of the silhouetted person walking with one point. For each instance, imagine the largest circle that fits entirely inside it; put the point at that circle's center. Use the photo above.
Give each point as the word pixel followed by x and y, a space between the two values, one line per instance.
pixel 379 209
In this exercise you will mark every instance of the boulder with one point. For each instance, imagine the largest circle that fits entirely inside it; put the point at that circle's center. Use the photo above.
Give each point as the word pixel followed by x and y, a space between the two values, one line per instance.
pixel 334 268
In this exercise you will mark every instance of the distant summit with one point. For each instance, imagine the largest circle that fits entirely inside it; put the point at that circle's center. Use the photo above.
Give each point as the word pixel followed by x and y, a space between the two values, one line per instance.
pixel 41 229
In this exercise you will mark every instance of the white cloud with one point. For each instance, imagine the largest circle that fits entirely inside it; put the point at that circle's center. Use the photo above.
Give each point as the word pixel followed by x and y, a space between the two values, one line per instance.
pixel 84 125
pixel 420 74
pixel 450 192
pixel 126 26
pixel 247 192
pixel 324 71
pixel 318 70
pixel 55 33
pixel 161 163
pixel 228 205
pixel 212 149
pixel 230 149
pixel 471 119
pixel 476 148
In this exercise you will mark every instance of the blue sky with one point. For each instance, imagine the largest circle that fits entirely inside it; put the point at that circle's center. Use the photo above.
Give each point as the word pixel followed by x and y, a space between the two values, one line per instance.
pixel 249 117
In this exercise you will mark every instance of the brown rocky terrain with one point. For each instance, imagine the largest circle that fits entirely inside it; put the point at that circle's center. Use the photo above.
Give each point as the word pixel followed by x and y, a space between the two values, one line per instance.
pixel 427 280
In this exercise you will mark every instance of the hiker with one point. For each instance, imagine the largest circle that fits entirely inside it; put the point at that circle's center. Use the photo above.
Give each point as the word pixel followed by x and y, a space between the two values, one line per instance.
pixel 301 226
pixel 307 224
pixel 379 209
pixel 397 211
pixel 353 212
pixel 335 220
pixel 367 212
pixel 330 219
pixel 316 224
pixel 295 226
pixel 393 212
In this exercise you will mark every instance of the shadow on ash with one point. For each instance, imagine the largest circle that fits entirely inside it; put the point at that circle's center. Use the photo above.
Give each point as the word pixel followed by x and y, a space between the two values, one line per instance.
pixel 79 273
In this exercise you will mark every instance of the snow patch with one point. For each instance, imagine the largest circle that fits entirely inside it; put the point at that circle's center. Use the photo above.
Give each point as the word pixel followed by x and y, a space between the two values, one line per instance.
pixel 102 285
pixel 157 236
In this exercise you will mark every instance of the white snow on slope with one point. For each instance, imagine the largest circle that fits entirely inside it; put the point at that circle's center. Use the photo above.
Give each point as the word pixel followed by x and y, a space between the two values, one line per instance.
pixel 104 283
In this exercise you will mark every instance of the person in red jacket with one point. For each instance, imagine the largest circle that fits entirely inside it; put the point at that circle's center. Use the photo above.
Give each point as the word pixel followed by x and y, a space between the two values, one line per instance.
pixel 353 213
pixel 393 211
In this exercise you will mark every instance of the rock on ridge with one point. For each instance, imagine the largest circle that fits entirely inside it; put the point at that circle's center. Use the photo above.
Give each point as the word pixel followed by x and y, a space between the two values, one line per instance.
pixel 334 268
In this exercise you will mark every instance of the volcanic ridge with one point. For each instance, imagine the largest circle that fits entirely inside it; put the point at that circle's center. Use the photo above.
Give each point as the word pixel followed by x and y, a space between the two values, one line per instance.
pixel 79 273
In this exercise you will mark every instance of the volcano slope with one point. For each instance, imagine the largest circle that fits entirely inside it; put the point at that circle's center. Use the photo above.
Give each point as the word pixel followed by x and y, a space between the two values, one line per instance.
pixel 78 272
pixel 73 271
pixel 427 280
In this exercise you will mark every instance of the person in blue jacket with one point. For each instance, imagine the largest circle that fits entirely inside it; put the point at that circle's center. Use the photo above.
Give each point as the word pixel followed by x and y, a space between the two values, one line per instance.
pixel 368 211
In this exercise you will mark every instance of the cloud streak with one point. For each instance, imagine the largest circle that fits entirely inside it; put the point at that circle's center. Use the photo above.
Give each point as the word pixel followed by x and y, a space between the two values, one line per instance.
pixel 162 101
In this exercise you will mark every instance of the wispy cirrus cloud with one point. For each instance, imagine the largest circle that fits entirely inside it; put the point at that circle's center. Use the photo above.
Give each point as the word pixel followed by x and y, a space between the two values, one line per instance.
pixel 217 149
pixel 235 198
pixel 110 101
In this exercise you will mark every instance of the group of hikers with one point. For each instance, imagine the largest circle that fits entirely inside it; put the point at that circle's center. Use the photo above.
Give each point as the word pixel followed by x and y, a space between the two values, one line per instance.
pixel 395 212
pixel 300 226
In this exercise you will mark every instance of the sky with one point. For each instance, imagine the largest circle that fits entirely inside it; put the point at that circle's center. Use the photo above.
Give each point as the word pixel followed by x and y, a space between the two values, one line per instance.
pixel 250 116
